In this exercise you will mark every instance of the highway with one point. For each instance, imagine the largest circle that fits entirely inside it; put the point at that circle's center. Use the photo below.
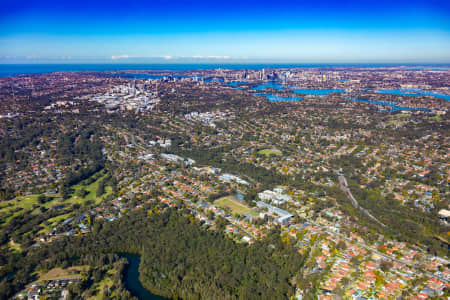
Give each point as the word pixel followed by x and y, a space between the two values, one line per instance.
pixel 344 187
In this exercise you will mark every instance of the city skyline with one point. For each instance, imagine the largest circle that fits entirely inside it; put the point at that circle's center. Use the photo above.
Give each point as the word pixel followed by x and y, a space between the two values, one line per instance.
pixel 234 32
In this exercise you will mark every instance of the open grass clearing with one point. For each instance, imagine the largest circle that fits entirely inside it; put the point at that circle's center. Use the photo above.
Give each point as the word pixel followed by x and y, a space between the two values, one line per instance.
pixel 106 282
pixel 233 205
pixel 25 203
pixel 269 152
pixel 436 118
pixel 15 247
pixel 92 192
pixel 52 222
pixel 59 273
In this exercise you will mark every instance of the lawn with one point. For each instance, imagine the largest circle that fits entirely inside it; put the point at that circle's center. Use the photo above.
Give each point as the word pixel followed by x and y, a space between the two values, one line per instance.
pixel 52 222
pixel 92 189
pixel 232 205
pixel 58 273
pixel 22 203
pixel 436 118
pixel 25 203
pixel 254 213
pixel 15 247
pixel 402 116
pixel 106 282
pixel 269 152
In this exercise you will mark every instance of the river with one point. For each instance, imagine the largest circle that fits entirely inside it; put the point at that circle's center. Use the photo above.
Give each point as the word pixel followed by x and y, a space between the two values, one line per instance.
pixel 132 282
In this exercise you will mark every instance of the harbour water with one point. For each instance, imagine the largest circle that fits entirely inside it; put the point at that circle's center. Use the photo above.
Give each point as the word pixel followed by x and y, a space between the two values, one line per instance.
pixel 320 92
pixel 317 91
pixel 393 106
pixel 275 98
pixel 142 76
pixel 413 93
pixel 270 85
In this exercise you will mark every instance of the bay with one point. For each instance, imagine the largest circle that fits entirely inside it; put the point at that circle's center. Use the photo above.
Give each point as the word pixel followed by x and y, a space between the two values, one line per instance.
pixel 393 106
pixel 317 91
pixel 275 98
pixel 413 93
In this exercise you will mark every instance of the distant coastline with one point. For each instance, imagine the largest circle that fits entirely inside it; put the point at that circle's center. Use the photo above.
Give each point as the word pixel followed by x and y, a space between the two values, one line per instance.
pixel 7 70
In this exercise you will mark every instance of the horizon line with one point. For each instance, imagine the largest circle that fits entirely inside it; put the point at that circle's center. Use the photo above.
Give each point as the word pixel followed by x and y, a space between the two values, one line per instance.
pixel 62 62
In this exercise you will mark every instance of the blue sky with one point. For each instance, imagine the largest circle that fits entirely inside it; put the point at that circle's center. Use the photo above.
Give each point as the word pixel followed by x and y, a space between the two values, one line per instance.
pixel 231 31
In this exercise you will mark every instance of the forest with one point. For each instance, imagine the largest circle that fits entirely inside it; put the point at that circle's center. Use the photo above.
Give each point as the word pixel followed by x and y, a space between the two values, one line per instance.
pixel 180 259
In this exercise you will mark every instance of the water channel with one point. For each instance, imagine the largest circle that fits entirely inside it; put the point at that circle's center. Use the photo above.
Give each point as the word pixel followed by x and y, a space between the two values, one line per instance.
pixel 131 278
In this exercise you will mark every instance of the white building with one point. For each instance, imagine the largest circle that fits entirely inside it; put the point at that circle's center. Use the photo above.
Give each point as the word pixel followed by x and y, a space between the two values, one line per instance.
pixel 276 196
pixel 444 215
pixel 283 216
pixel 231 178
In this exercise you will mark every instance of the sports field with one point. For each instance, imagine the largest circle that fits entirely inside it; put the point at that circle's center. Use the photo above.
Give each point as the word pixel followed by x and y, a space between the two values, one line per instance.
pixel 232 205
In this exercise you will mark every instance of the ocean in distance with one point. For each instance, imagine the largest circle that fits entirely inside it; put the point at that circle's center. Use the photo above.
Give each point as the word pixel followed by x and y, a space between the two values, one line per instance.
pixel 7 70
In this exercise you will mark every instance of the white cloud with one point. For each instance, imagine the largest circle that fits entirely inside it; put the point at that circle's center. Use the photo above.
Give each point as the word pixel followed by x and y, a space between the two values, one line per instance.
pixel 209 56
pixel 175 58
pixel 120 56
